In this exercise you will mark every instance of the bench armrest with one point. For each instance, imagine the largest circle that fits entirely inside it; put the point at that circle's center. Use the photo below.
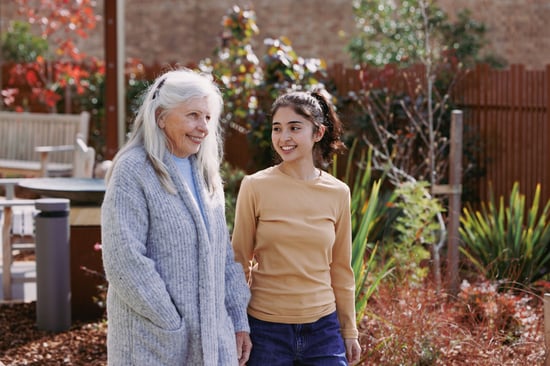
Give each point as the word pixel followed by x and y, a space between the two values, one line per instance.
pixel 49 149
pixel 84 157
pixel 45 155
pixel 83 165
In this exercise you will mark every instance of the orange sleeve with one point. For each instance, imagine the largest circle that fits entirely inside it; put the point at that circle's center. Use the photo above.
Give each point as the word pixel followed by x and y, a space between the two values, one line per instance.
pixel 343 280
pixel 244 230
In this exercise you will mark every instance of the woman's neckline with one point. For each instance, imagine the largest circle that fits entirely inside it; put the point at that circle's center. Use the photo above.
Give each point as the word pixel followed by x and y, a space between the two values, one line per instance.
pixel 312 177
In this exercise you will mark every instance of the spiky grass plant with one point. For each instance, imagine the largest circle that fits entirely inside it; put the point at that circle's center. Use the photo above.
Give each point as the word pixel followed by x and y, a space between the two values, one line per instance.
pixel 367 210
pixel 508 243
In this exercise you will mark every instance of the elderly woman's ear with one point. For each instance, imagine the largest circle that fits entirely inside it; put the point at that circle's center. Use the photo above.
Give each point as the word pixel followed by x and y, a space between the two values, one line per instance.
pixel 160 117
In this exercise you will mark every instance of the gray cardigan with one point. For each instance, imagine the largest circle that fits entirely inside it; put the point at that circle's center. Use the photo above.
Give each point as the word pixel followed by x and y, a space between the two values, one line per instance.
pixel 176 296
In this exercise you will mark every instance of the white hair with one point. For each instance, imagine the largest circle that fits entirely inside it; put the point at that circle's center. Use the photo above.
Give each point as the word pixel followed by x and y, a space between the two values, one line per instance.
pixel 167 92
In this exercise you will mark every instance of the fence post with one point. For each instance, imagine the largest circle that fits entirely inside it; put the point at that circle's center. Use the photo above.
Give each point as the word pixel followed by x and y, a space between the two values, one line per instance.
pixel 455 181
pixel 53 273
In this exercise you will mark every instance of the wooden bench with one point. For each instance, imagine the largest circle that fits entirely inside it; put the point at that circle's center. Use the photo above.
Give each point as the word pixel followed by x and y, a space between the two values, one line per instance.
pixel 45 145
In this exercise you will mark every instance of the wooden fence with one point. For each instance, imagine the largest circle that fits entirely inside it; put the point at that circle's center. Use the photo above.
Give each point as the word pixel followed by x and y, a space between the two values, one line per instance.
pixel 510 112
pixel 507 112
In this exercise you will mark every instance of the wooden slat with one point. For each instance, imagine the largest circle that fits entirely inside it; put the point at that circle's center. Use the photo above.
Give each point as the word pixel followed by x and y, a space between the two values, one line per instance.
pixel 513 122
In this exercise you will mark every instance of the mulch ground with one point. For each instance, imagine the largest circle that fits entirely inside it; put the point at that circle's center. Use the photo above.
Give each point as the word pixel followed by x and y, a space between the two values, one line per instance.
pixel 22 343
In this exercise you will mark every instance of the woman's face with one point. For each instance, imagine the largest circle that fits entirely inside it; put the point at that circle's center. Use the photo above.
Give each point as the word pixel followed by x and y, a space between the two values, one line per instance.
pixel 293 136
pixel 186 126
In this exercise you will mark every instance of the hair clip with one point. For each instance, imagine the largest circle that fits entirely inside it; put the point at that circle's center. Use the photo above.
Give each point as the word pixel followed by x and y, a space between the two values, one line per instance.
pixel 157 90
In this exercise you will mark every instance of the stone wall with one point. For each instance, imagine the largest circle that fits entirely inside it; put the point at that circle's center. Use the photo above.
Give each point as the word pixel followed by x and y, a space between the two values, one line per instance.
pixel 187 31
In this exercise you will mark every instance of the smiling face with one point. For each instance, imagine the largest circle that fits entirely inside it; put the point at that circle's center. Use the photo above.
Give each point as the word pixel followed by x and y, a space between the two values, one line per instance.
pixel 186 126
pixel 293 136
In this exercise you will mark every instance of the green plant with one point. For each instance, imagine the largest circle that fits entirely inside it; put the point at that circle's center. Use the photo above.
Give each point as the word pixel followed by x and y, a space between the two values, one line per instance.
pixel 367 212
pixel 392 31
pixel 284 70
pixel 232 178
pixel 407 106
pixel 406 111
pixel 508 243
pixel 237 68
pixel 416 226
pixel 249 86
pixel 465 38
pixel 20 45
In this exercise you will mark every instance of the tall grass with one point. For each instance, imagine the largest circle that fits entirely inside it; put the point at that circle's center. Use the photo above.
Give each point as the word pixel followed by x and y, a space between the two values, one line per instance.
pixel 367 210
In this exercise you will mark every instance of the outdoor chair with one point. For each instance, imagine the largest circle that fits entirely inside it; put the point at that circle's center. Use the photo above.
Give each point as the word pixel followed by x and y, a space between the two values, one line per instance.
pixel 17 232
pixel 18 229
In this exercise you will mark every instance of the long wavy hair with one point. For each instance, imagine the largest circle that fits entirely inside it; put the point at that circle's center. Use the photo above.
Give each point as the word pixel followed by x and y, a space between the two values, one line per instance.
pixel 167 92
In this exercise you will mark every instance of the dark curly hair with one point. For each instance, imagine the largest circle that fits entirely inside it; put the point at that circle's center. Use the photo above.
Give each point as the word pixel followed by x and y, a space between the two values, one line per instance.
pixel 316 107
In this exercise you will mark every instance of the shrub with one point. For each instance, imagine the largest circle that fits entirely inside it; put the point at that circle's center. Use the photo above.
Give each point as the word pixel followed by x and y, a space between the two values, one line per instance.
pixel 408 325
pixel 416 226
pixel 508 243
pixel 392 32
pixel 483 306
pixel 249 86
pixel 20 45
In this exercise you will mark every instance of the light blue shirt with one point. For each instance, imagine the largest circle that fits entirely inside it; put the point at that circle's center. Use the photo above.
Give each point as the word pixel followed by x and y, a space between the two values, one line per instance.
pixel 184 166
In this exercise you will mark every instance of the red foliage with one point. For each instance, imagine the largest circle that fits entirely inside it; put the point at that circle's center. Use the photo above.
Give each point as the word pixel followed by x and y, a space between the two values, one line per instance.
pixel 414 325
pixel 36 83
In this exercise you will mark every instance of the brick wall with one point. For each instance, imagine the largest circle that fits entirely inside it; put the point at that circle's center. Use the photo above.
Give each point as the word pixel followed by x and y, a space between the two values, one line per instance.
pixel 187 31
pixel 516 29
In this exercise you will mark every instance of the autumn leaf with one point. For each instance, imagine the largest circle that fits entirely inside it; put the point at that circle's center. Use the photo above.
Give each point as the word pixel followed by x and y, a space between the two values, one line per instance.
pixel 31 77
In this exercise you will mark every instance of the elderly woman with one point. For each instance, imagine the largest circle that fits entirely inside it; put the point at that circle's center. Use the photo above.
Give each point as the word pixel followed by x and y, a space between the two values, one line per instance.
pixel 176 296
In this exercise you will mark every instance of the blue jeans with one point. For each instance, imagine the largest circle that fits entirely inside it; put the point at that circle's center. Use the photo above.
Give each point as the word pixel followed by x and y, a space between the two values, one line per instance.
pixel 312 344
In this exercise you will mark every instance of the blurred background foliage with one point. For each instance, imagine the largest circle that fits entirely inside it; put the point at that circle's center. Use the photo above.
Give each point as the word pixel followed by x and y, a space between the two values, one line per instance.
pixel 394 224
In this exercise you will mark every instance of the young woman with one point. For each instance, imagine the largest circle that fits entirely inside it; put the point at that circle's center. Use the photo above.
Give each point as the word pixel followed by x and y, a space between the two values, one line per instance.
pixel 176 296
pixel 292 236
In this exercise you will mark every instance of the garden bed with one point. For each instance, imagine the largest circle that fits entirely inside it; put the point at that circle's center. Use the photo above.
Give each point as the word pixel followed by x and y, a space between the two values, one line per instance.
pixel 403 326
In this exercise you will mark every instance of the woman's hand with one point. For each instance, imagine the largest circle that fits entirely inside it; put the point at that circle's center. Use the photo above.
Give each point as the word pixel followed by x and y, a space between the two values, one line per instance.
pixel 244 346
pixel 353 350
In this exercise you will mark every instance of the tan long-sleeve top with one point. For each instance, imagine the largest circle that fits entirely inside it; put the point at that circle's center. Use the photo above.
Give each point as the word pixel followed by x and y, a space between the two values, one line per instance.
pixel 298 234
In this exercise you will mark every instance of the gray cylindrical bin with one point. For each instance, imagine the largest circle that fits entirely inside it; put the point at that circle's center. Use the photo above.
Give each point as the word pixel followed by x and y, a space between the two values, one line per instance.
pixel 53 273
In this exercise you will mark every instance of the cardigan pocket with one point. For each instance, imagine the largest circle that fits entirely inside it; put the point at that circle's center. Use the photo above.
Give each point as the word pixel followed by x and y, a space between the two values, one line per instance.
pixel 153 345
